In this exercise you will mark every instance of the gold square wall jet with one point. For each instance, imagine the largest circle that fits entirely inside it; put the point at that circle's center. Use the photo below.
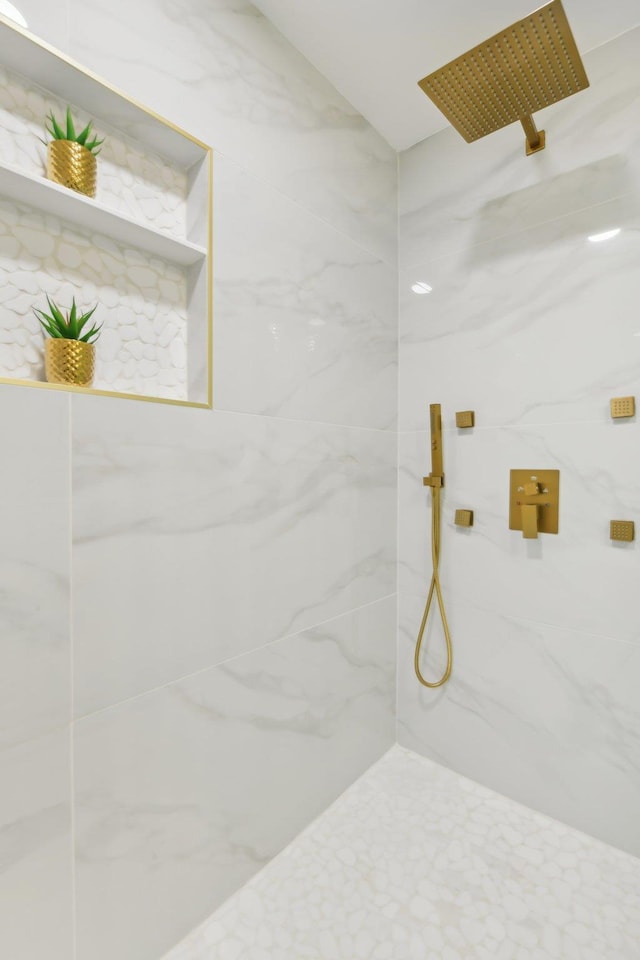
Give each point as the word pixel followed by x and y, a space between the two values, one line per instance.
pixel 623 407
pixel 465 418
pixel 623 530
pixel 464 518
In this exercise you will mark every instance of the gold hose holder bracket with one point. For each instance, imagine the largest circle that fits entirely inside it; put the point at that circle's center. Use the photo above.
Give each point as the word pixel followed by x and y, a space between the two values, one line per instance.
pixel 433 480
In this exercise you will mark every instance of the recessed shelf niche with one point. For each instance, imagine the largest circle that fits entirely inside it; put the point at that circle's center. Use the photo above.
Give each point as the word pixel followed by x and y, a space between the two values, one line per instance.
pixel 141 249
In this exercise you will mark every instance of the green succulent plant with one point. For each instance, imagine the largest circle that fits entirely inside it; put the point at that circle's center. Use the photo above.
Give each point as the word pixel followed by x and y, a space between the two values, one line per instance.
pixel 67 326
pixel 67 131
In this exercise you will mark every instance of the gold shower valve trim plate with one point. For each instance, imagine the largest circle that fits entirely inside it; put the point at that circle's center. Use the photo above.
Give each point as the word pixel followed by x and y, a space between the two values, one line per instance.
pixel 622 407
pixel 465 419
pixel 622 530
pixel 534 499
pixel 523 68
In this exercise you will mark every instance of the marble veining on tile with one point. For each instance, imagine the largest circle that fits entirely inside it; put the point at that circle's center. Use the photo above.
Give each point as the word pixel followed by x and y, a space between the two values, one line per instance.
pixel 256 527
pixel 185 792
pixel 312 327
pixel 236 83
pixel 414 862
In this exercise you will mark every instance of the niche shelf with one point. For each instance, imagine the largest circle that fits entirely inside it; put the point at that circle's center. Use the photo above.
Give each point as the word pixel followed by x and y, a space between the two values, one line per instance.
pixel 50 198
pixel 141 249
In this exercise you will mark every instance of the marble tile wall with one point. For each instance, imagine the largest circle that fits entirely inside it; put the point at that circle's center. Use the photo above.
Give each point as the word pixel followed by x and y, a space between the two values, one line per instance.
pixel 184 792
pixel 535 328
pixel 229 575
pixel 35 677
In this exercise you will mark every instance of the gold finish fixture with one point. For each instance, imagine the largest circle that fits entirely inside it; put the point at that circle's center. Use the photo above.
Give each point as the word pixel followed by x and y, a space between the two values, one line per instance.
pixel 529 65
pixel 623 407
pixel 465 419
pixel 535 140
pixel 464 518
pixel 435 480
pixel 73 166
pixel 169 401
pixel 69 361
pixel 534 498
pixel 622 530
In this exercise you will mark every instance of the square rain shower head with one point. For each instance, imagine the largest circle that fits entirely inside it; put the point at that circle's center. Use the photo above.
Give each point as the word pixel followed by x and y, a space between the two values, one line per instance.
pixel 527 66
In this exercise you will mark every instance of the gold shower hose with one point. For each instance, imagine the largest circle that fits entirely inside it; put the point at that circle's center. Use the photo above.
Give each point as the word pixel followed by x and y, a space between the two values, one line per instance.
pixel 435 586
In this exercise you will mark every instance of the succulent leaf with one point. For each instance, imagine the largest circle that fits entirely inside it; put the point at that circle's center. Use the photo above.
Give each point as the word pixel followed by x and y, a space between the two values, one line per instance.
pixel 68 132
pixel 94 332
pixel 68 327
pixel 71 133
pixel 84 319
pixel 55 312
pixel 81 137
pixel 58 133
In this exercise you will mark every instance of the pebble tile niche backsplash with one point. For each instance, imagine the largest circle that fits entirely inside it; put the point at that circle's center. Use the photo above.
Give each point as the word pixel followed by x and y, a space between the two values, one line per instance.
pixel 143 299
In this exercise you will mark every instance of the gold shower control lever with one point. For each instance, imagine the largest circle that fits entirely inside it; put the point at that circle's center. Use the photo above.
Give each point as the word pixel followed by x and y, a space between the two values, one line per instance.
pixel 533 502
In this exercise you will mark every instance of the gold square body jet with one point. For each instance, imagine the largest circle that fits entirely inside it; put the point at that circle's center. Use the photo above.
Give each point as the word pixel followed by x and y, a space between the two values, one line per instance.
pixel 529 65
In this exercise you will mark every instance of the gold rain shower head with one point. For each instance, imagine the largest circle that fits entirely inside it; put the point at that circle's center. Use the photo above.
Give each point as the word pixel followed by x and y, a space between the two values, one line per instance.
pixel 531 64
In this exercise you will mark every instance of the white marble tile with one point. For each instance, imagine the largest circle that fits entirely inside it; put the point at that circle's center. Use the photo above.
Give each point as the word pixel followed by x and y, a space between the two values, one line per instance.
pixel 35 849
pixel 184 793
pixel 545 715
pixel 537 327
pixel 305 319
pixel 35 667
pixel 416 863
pixel 221 71
pixel 50 23
pixel 222 530
pixel 454 194
pixel 578 578
pixel 533 327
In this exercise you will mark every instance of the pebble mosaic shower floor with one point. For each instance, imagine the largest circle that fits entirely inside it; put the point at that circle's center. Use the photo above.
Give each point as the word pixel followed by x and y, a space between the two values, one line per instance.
pixel 414 862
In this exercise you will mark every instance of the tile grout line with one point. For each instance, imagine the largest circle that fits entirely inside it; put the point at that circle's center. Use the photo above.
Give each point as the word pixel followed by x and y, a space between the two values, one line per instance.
pixel 312 213
pixel 397 619
pixel 385 431
pixel 72 798
pixel 238 656
pixel 516 233
pixel 604 637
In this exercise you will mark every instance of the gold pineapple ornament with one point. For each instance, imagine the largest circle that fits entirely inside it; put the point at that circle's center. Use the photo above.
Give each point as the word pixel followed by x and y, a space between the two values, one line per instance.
pixel 73 166
pixel 69 351
pixel 71 155
pixel 69 361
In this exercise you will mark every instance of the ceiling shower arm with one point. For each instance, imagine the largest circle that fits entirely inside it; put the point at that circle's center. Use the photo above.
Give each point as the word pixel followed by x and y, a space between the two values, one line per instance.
pixel 535 138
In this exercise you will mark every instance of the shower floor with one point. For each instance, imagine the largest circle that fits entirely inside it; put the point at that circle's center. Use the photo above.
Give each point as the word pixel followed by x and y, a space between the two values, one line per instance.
pixel 414 862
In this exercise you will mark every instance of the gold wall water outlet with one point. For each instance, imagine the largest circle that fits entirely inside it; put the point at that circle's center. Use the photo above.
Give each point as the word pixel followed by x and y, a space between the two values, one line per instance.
pixel 534 498
pixel 464 518
pixel 465 419
pixel 623 407
pixel 622 530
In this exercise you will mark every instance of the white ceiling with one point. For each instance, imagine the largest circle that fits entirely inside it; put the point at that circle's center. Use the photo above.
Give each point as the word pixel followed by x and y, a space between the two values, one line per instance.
pixel 375 51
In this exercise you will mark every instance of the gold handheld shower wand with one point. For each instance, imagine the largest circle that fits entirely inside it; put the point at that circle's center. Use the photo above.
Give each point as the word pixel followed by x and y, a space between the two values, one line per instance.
pixel 435 480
